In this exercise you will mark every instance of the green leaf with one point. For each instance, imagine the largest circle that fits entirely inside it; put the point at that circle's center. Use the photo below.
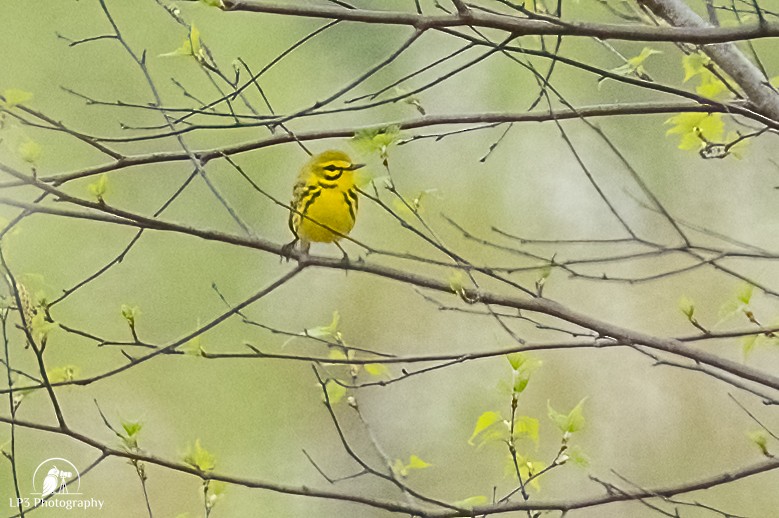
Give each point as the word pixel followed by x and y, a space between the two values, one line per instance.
pixel 711 86
pixel 399 468
pixel 412 100
pixel 527 468
pixel 687 306
pixel 760 438
pixel 329 331
pixel 711 127
pixel 692 126
pixel 698 65
pixel 376 369
pixel 213 3
pixel 130 313
pixel 543 274
pixel 215 490
pixel 14 97
pixel 190 47
pixel 217 487
pixel 636 61
pixel 737 150
pixel 471 502
pixel 415 462
pixel 530 468
pixel 728 309
pixel 525 426
pixel 131 428
pixel 738 305
pixel 41 327
pixel 30 151
pixel 577 456
pixel 516 360
pixel 456 283
pixel 484 422
pixel 523 366
pixel 403 209
pixel 694 64
pixel 363 177
pixel 194 41
pixel 771 339
pixel 337 354
pixel 635 64
pixel 193 347
pixel 744 294
pixel 335 391
pixel 402 469
pixel 520 381
pixel 751 342
pixel 130 443
pixel 377 140
pixel 99 187
pixel 748 344
pixel 571 422
pixel 200 458
pixel 326 332
pixel 64 373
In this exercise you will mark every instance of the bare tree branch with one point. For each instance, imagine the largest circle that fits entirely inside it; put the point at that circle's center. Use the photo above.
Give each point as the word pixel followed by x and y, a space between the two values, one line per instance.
pixel 515 25
pixel 726 55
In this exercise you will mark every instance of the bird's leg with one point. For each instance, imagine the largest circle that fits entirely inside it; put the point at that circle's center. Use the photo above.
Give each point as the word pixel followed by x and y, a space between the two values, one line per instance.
pixel 305 246
pixel 286 250
pixel 345 258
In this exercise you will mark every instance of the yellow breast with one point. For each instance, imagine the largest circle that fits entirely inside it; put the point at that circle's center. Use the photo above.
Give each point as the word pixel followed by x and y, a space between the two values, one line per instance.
pixel 333 208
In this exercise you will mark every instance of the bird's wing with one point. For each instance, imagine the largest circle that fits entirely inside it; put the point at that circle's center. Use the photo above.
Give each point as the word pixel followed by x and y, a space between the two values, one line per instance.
pixel 49 485
pixel 303 187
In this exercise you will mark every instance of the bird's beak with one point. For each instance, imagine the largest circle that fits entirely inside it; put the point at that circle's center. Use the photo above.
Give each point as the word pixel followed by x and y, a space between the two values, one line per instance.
pixel 355 166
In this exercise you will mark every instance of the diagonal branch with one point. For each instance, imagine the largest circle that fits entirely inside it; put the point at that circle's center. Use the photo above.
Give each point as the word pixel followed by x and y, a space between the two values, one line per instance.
pixel 762 466
pixel 538 304
pixel 726 55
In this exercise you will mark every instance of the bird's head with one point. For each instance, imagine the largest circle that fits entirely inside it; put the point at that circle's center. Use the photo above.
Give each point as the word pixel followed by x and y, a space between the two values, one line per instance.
pixel 333 166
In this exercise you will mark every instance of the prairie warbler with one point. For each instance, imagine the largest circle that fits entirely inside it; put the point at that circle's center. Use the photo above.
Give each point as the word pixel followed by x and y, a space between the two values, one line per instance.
pixel 324 201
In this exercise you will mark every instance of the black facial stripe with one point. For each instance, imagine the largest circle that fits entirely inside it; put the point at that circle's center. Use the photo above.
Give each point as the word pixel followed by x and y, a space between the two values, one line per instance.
pixel 335 176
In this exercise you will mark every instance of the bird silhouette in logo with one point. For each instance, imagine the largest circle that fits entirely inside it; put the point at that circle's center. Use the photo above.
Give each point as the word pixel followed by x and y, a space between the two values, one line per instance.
pixel 51 482
pixel 55 481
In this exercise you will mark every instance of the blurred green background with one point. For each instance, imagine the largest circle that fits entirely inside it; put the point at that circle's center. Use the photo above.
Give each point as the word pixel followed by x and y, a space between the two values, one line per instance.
pixel 657 426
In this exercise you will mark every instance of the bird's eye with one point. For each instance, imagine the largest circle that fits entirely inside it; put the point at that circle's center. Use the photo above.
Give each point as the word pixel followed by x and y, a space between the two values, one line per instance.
pixel 330 168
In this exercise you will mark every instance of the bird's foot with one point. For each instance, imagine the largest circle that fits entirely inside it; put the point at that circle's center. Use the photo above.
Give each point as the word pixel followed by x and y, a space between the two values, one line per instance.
pixel 286 250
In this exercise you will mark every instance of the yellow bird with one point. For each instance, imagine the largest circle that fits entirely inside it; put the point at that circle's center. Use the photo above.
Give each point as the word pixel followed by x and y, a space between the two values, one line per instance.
pixel 324 201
